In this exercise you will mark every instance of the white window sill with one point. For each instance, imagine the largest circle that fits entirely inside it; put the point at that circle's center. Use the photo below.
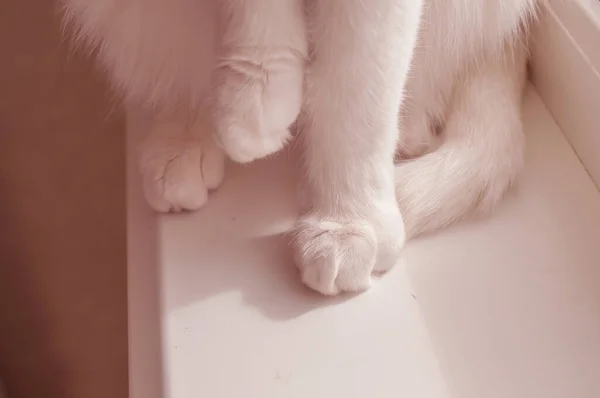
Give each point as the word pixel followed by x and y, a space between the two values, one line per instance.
pixel 504 307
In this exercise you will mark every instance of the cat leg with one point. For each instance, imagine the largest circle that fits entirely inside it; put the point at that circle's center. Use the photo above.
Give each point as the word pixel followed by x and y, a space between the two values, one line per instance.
pixel 482 152
pixel 349 130
pixel 258 79
pixel 179 163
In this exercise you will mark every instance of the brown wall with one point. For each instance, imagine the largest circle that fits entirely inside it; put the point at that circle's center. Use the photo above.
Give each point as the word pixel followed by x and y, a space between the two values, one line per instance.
pixel 63 314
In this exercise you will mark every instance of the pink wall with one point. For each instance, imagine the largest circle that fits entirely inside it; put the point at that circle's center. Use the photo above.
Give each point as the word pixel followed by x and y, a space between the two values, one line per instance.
pixel 63 320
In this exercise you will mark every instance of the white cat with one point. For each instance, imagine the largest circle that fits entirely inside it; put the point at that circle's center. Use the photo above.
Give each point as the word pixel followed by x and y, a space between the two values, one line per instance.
pixel 235 74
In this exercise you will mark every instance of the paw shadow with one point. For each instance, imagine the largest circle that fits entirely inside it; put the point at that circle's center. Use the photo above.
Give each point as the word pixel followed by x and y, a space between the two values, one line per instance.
pixel 260 270
pixel 239 244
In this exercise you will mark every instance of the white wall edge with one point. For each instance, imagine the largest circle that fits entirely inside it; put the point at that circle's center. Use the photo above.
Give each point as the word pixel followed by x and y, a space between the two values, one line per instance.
pixel 565 70
pixel 144 295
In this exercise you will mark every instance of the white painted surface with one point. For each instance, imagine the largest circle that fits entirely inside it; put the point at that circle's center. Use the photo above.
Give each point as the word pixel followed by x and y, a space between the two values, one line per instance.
pixel 502 307
pixel 565 66
pixel 593 8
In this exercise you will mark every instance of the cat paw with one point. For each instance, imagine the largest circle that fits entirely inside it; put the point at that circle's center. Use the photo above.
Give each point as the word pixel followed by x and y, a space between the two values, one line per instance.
pixel 415 145
pixel 253 107
pixel 243 144
pixel 336 257
pixel 411 151
pixel 418 139
pixel 178 172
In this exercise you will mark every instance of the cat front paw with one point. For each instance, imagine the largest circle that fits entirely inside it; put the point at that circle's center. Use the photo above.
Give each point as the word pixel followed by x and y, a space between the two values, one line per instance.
pixel 420 136
pixel 334 257
pixel 178 171
pixel 254 105
pixel 245 144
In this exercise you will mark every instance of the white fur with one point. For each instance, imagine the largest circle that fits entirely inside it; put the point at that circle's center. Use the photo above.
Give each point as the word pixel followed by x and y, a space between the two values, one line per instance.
pixel 467 83
pixel 354 88
pixel 179 163
pixel 258 77
pixel 234 69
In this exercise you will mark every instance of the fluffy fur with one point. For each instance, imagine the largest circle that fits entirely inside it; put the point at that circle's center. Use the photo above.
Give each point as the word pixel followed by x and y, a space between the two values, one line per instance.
pixel 237 73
